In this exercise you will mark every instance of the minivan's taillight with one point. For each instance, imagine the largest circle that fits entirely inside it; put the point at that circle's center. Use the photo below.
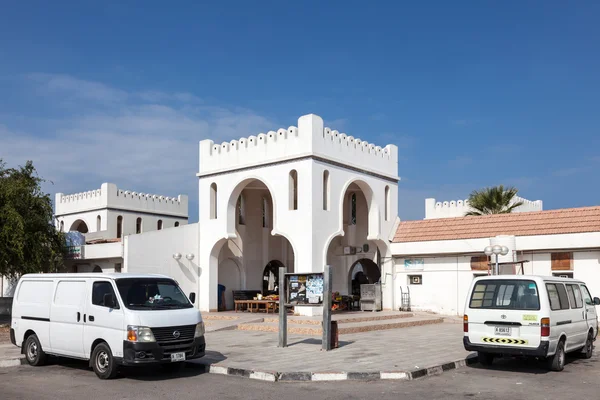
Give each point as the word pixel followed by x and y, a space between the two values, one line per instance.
pixel 466 323
pixel 545 327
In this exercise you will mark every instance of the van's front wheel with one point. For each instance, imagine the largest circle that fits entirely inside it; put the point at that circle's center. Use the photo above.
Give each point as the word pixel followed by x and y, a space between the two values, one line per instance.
pixel 33 351
pixel 485 359
pixel 103 362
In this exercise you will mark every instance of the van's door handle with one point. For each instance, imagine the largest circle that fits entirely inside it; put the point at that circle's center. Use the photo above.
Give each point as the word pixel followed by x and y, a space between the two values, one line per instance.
pixel 91 318
pixel 78 316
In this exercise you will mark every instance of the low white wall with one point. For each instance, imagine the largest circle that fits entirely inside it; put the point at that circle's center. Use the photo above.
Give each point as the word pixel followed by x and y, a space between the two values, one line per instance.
pixel 152 252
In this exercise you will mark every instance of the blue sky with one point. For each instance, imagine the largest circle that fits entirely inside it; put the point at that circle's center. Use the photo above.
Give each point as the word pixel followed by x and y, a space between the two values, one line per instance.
pixel 473 93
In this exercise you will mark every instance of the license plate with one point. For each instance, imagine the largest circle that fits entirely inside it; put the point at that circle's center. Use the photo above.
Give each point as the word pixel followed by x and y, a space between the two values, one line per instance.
pixel 502 330
pixel 178 357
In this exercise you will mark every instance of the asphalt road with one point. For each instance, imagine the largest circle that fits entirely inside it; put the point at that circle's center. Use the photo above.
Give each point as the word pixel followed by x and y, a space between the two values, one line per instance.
pixel 508 379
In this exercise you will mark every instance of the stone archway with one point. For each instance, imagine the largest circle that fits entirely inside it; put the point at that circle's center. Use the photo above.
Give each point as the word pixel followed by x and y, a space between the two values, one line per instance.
pixel 79 226
pixel 363 271
pixel 230 277
pixel 271 277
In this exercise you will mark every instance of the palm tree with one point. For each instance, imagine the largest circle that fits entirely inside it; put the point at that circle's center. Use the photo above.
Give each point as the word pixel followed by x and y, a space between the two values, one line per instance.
pixel 494 200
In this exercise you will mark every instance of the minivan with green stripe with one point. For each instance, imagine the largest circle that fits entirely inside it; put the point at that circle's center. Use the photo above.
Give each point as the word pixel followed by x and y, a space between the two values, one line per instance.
pixel 537 316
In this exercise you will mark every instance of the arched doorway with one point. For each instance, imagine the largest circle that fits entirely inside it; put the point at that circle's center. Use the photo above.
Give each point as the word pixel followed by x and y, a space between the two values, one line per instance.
pixel 271 277
pixel 363 271
pixel 230 279
pixel 97 269
pixel 255 250
pixel 79 226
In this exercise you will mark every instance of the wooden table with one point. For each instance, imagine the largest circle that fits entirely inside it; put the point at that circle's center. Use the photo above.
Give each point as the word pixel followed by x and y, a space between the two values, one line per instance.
pixel 255 305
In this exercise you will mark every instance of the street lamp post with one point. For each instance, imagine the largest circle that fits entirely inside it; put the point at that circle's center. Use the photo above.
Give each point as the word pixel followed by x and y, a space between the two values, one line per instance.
pixel 497 250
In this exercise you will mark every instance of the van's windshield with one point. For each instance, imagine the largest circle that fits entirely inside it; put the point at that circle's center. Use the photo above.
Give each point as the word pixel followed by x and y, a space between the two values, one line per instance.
pixel 505 294
pixel 151 294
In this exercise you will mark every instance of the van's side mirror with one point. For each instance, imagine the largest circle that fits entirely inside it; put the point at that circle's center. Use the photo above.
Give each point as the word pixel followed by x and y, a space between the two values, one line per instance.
pixel 110 301
pixel 193 297
pixel 596 301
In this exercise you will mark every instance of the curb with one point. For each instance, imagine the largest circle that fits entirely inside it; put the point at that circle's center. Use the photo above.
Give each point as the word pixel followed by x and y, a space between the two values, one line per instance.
pixel 13 362
pixel 330 376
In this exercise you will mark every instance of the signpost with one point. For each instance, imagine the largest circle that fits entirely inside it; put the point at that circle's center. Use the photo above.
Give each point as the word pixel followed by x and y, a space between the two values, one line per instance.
pixel 305 290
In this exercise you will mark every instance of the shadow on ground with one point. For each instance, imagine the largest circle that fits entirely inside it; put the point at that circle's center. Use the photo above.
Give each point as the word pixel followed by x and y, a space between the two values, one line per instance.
pixel 318 342
pixel 530 365
pixel 147 372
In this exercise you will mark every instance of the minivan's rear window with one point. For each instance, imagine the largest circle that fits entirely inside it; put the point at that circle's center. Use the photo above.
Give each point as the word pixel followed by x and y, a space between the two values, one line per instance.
pixel 505 294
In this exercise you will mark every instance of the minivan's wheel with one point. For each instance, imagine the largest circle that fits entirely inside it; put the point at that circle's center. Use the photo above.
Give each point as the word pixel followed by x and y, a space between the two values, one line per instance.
pixel 103 362
pixel 588 349
pixel 557 361
pixel 33 351
pixel 485 358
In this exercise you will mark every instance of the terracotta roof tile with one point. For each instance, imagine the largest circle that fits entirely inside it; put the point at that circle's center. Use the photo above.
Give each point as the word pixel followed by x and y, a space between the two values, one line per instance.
pixel 551 222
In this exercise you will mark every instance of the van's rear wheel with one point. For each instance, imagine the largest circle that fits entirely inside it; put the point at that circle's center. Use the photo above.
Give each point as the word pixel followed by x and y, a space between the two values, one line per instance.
pixel 103 362
pixel 485 358
pixel 557 361
pixel 588 349
pixel 34 354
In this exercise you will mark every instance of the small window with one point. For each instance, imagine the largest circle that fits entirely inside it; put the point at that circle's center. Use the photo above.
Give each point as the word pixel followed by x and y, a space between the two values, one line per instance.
pixel 387 203
pixel 353 209
pixel 118 267
pixel 574 296
pixel 415 279
pixel 293 190
pixel 119 226
pixel 557 293
pixel 98 223
pixel 213 201
pixel 99 289
pixel 138 225
pixel 265 213
pixel 241 210
pixel 326 190
pixel 159 225
pixel 62 226
pixel 587 297
pixel 176 224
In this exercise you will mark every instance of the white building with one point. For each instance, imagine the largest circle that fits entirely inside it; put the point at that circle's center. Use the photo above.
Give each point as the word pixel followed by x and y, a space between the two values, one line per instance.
pixel 299 197
pixel 105 216
pixel 436 259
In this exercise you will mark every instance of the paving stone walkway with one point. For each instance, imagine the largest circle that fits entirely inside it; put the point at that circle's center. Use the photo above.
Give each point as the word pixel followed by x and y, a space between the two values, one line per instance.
pixel 393 350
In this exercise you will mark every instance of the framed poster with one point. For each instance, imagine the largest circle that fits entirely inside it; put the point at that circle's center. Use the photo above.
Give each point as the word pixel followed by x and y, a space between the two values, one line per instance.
pixel 305 289
pixel 414 263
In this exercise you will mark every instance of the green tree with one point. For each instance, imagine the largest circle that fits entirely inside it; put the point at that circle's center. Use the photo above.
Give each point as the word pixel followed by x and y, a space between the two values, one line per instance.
pixel 29 242
pixel 494 200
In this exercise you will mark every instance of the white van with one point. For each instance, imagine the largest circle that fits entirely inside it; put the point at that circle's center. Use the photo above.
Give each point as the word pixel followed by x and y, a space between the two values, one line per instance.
pixel 538 316
pixel 108 319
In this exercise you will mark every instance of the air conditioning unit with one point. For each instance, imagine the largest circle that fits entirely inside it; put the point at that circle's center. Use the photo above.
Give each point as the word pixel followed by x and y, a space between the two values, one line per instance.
pixel 415 280
pixel 348 250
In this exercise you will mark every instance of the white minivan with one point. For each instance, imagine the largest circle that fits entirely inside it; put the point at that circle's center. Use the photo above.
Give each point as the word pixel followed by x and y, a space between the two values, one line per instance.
pixel 108 319
pixel 537 316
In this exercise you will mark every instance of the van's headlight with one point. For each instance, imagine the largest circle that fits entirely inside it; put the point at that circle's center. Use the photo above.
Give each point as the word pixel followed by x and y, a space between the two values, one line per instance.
pixel 199 330
pixel 139 334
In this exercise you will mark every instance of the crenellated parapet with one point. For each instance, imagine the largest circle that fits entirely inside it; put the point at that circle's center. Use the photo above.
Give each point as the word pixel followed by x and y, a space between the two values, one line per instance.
pixel 458 208
pixel 309 138
pixel 110 196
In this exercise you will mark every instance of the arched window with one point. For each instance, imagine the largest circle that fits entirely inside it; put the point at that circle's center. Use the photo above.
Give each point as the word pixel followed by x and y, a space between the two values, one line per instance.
pixel 138 225
pixel 387 203
pixel 176 224
pixel 326 190
pixel 353 209
pixel 265 213
pixel 293 190
pixel 241 210
pixel 159 224
pixel 213 201
pixel 119 226
pixel 98 223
